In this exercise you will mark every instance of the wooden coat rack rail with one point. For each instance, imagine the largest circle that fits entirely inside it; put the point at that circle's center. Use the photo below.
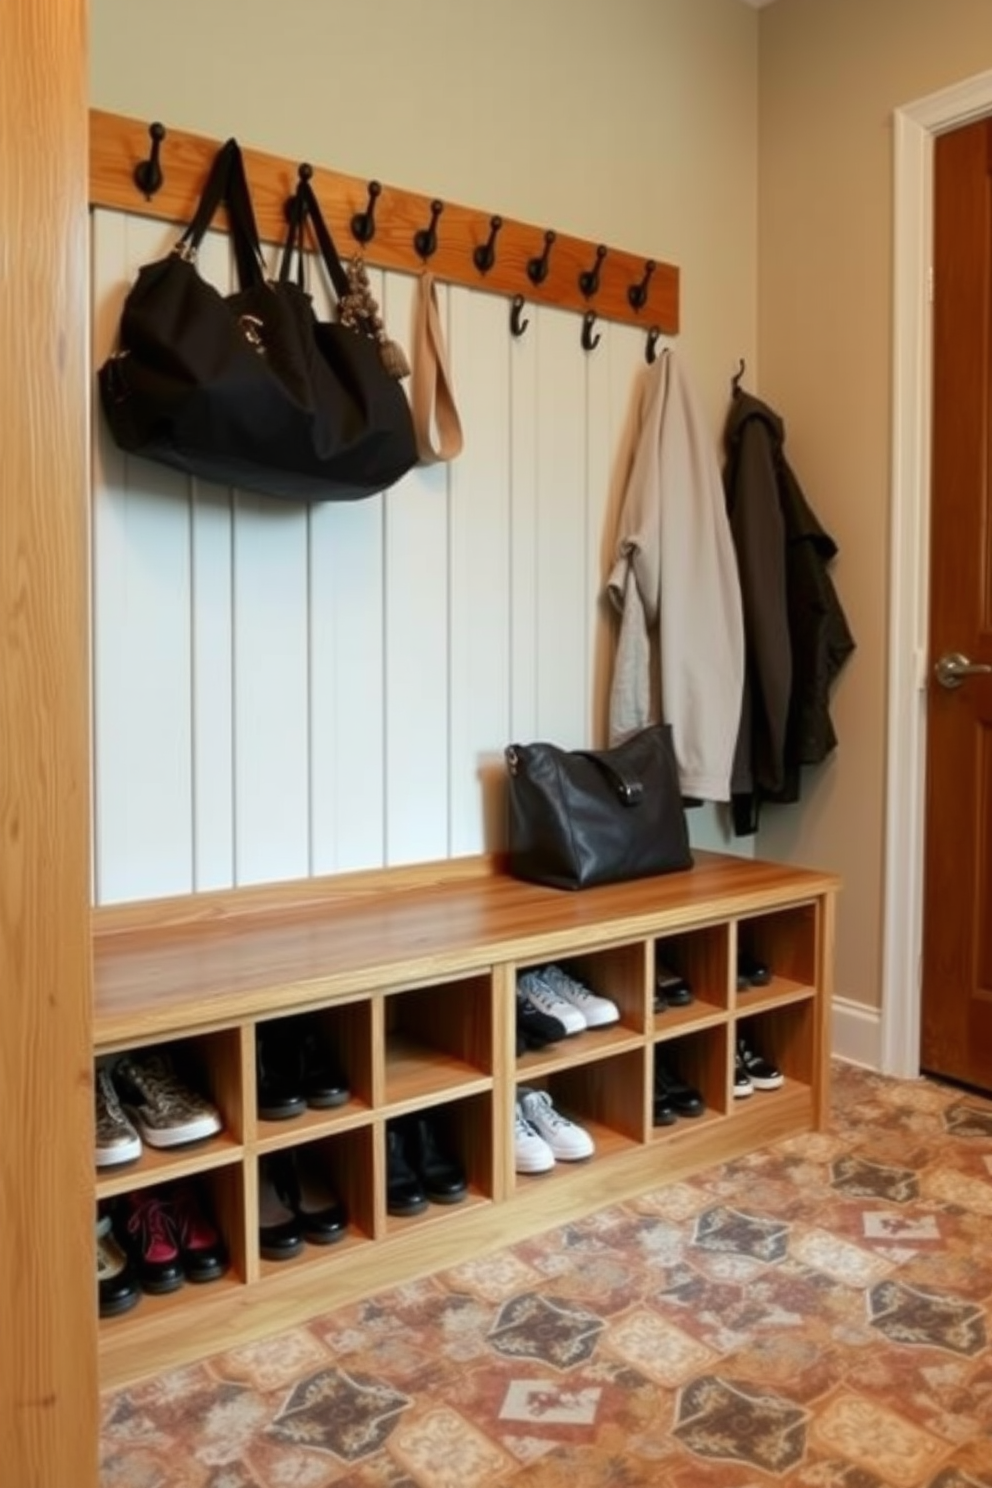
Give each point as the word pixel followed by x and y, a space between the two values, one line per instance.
pixel 592 279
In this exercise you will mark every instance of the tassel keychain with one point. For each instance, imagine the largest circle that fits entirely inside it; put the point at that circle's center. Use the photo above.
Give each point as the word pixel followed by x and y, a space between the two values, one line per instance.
pixel 359 311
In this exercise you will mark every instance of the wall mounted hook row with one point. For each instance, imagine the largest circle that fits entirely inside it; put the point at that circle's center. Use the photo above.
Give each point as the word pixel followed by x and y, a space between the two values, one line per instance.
pixel 398 229
pixel 148 176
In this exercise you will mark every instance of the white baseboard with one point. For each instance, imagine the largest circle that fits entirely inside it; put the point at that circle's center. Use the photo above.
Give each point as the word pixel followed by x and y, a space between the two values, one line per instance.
pixel 856 1033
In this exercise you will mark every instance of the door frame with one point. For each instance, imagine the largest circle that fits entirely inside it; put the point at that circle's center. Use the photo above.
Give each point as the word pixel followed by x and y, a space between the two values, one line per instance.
pixel 915 127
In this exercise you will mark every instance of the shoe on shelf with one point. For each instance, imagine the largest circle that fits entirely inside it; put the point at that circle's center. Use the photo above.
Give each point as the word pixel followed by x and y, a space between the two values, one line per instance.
pixel 671 1090
pixel 541 995
pixel 535 1030
pixel 671 990
pixel 280 1230
pixel 404 1192
pixel 148 1234
pixel 742 1080
pixel 441 1175
pixel 598 1011
pixel 761 1072
pixel 664 1113
pixel 751 972
pixel 324 1083
pixel 531 1153
pixel 117 1284
pixel 201 1250
pixel 166 1112
pixel 568 1142
pixel 303 1186
pixel 278 1071
pixel 116 1139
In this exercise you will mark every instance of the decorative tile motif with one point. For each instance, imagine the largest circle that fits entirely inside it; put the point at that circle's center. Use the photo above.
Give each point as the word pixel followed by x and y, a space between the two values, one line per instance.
pixel 442 1450
pixel 495 1277
pixel 659 1350
pixel 726 1229
pixel 545 1328
pixel 915 1229
pixel 718 1419
pixel 549 1402
pixel 867 1180
pixel 345 1414
pixel 969 1121
pixel 908 1316
pixel 878 1440
pixel 846 1263
pixel 271 1363
pixel 958 1189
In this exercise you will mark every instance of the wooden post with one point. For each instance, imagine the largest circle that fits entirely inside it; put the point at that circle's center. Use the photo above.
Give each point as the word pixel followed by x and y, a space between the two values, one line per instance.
pixel 48 1383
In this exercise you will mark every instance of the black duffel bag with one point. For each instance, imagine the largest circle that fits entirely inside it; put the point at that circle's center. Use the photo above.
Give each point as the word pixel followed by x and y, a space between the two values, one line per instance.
pixel 250 389
pixel 586 816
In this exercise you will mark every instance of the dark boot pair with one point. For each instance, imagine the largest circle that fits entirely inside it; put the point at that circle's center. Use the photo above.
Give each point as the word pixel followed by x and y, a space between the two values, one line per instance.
pixel 419 1167
pixel 296 1203
pixel 673 1096
pixel 296 1069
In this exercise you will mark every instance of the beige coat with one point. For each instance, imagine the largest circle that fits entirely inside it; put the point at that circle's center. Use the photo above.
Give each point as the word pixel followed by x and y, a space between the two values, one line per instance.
pixel 675 584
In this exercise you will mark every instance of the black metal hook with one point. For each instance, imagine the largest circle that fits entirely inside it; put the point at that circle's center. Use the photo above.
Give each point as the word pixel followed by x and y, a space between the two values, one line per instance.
pixel 291 204
pixel 537 268
pixel 517 326
pixel 363 223
pixel 735 381
pixel 589 278
pixel 148 175
pixel 425 239
pixel 485 255
pixel 637 294
pixel 589 341
pixel 650 350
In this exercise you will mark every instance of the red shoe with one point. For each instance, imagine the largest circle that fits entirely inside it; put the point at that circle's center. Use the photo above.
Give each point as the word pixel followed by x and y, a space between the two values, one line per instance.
pixel 151 1242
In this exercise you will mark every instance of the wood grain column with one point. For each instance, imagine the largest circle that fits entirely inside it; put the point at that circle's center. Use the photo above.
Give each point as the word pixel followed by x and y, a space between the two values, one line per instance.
pixel 48 1402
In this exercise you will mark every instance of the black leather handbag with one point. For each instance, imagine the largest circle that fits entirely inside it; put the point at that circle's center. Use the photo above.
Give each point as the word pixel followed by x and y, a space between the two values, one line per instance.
pixel 250 389
pixel 585 816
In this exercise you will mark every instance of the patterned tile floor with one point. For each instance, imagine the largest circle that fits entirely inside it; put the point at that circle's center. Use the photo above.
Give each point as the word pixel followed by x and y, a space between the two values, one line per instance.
pixel 816 1315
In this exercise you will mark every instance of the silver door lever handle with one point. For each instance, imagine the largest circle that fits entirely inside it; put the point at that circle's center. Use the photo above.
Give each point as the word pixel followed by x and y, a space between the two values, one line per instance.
pixel 952 668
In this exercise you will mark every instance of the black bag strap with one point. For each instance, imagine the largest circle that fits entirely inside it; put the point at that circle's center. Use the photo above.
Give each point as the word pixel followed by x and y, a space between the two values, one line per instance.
pixel 228 183
pixel 628 786
pixel 292 247
pixel 311 212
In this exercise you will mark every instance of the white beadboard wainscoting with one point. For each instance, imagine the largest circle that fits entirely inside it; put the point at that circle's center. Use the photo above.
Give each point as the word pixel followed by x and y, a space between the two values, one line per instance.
pixel 283 690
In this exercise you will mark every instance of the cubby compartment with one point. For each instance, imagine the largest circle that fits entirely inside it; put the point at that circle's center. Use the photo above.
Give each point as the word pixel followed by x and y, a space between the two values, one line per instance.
pixel 215 1199
pixel 437 1040
pixel 618 973
pixel 321 1173
pixel 785 942
pixel 786 1037
pixel 208 1065
pixel 335 1039
pixel 701 960
pixel 606 1097
pixel 699 1059
pixel 461 1130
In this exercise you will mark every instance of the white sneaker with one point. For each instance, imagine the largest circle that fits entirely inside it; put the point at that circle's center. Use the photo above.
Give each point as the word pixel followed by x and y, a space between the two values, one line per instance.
pixel 544 997
pixel 568 1142
pixel 531 1153
pixel 597 1011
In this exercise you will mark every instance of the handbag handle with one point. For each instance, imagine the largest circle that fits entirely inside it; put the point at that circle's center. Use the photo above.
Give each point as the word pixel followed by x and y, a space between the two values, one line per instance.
pixel 228 183
pixel 307 208
pixel 432 396
pixel 628 787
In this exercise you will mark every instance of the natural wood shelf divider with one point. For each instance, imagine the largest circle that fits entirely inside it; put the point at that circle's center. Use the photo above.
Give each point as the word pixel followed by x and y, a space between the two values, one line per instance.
pixel 118 144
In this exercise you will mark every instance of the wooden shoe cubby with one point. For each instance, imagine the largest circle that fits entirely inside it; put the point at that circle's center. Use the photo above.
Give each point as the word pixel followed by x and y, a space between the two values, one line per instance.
pixel 411 974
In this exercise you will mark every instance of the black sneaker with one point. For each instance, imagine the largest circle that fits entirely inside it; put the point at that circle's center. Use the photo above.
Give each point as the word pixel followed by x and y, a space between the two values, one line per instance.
pixel 751 972
pixel 742 1080
pixel 441 1175
pixel 670 989
pixel 672 1091
pixel 536 1029
pixel 761 1072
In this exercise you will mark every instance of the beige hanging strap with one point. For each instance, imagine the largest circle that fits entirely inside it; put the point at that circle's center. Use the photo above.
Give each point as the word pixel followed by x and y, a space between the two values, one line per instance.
pixel 431 394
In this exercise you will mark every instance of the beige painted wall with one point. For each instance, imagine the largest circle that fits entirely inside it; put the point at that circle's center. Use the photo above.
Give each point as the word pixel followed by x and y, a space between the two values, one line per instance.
pixel 831 73
pixel 634 124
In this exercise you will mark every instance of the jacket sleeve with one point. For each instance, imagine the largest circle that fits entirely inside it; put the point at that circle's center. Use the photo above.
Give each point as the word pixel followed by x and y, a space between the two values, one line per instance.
pixel 701 622
pixel 760 541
